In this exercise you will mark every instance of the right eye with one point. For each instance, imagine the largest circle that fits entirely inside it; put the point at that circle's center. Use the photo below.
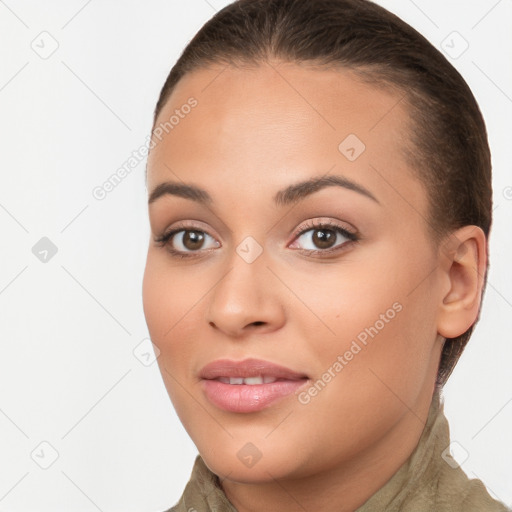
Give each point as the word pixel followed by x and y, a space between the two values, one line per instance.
pixel 184 243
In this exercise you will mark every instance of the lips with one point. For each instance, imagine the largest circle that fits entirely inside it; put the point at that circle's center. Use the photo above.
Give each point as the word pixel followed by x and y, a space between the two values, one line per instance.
pixel 250 385
pixel 248 369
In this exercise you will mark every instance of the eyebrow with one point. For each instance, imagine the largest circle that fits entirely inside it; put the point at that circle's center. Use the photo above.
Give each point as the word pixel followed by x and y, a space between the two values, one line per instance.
pixel 291 194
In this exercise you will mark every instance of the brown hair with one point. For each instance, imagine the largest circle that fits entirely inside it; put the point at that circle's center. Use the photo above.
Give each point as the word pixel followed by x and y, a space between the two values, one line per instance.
pixel 449 149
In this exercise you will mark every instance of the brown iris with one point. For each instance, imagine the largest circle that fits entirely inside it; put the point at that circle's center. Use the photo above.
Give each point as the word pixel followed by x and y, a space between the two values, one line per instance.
pixel 193 240
pixel 324 238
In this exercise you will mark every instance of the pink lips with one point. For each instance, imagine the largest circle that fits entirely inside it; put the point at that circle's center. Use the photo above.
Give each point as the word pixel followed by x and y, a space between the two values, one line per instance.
pixel 244 397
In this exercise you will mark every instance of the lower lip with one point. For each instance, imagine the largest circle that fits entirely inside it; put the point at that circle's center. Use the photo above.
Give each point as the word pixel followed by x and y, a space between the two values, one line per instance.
pixel 246 397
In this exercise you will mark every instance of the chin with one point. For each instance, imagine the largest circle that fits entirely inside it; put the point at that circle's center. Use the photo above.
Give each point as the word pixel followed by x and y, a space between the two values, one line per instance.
pixel 232 469
pixel 244 462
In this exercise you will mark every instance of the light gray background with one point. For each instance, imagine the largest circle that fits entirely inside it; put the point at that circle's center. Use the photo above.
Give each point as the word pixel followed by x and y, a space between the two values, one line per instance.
pixel 74 369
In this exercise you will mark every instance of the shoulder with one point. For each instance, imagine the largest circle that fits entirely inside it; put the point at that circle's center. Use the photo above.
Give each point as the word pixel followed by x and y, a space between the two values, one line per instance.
pixel 458 493
pixel 477 499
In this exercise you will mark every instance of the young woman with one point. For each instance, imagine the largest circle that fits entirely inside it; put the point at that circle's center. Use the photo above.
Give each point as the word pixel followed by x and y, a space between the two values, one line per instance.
pixel 320 201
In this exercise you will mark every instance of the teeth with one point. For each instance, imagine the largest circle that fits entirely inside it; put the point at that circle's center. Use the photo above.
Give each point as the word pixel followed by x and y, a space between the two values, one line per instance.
pixel 253 380
pixel 248 380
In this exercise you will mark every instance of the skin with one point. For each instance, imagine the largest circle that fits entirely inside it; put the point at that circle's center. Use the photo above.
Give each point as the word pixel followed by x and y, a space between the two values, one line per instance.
pixel 253 132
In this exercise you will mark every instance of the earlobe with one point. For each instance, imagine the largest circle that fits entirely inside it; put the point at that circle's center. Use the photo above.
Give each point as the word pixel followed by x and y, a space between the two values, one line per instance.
pixel 464 264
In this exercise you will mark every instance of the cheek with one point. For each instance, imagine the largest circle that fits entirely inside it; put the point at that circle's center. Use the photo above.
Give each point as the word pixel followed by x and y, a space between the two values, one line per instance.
pixel 168 308
pixel 167 294
pixel 165 302
pixel 173 300
pixel 380 313
pixel 155 298
pixel 350 296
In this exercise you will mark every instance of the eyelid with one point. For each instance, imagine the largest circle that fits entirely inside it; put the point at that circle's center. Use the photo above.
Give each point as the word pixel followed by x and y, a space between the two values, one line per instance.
pixel 187 226
pixel 351 234
pixel 164 238
pixel 322 222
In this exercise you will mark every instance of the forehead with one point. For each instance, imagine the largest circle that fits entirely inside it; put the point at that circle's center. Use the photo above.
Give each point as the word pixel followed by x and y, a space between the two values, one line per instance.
pixel 277 122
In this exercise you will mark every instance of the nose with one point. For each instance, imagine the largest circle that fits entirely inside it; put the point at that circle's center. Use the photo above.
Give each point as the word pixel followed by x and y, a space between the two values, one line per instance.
pixel 246 299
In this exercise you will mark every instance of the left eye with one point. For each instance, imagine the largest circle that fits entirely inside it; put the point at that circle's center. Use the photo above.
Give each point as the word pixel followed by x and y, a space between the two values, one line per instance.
pixel 323 238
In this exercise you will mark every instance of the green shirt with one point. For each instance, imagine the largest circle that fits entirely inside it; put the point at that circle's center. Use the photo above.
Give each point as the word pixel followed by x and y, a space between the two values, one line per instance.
pixel 429 481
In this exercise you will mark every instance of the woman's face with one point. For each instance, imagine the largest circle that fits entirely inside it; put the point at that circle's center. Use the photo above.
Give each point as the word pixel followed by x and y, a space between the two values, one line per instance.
pixel 338 281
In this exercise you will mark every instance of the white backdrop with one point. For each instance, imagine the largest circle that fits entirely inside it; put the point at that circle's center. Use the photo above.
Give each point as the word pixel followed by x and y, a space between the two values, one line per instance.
pixel 85 421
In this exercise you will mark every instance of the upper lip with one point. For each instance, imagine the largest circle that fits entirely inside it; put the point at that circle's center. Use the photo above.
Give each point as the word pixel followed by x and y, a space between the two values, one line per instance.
pixel 248 368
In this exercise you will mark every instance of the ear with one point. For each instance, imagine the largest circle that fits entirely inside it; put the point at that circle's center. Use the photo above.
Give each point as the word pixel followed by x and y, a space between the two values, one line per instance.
pixel 463 263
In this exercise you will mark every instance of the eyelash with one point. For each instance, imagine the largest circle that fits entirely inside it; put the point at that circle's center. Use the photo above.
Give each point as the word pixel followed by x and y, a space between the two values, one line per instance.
pixel 164 239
